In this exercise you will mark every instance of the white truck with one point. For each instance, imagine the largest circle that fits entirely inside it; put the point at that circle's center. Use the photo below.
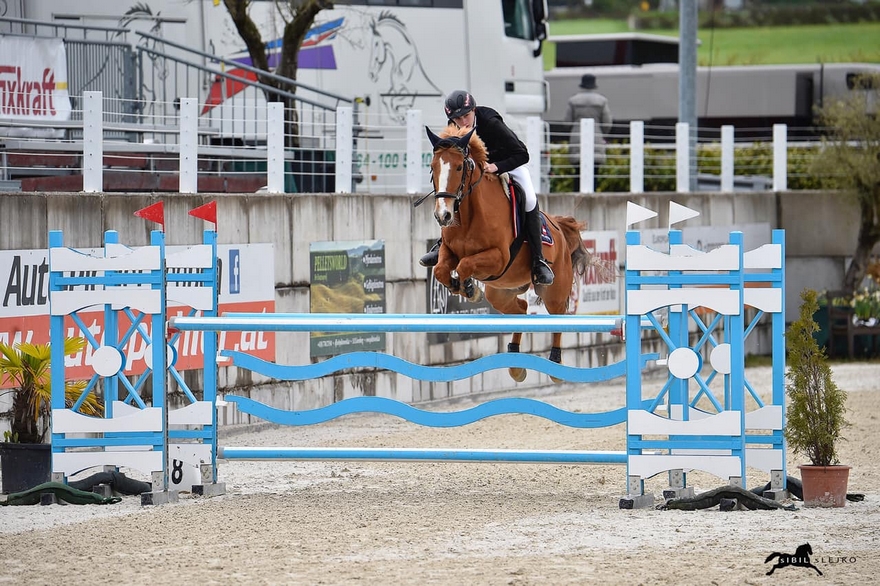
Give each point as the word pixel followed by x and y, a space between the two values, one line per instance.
pixel 389 55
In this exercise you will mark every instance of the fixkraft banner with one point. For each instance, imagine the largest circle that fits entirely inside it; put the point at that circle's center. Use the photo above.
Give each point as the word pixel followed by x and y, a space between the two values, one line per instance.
pixel 33 80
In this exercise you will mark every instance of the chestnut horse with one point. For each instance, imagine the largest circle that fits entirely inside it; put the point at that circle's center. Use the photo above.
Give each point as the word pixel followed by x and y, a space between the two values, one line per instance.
pixel 477 231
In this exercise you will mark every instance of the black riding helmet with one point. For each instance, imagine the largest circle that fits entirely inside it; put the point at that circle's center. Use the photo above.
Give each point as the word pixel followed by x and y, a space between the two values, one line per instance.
pixel 459 103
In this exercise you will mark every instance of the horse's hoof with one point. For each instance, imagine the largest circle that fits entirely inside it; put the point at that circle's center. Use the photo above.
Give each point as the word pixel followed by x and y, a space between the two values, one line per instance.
pixel 517 374
pixel 469 287
pixel 473 293
pixel 454 285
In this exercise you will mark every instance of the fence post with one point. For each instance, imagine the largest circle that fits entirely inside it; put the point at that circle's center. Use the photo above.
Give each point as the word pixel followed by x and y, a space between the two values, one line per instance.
pixel 682 158
pixel 637 156
pixel 344 149
pixel 189 146
pixel 275 147
pixel 588 156
pixel 780 157
pixel 727 159
pixel 414 134
pixel 93 142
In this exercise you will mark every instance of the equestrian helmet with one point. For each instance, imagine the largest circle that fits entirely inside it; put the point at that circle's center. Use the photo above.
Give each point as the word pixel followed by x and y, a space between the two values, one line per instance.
pixel 459 103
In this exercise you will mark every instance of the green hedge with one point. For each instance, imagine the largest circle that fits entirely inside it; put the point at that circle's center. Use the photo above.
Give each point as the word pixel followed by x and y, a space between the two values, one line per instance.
pixel 613 176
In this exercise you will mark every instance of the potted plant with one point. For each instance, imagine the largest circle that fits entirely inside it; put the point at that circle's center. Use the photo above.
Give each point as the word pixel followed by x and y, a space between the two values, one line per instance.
pixel 25 460
pixel 816 412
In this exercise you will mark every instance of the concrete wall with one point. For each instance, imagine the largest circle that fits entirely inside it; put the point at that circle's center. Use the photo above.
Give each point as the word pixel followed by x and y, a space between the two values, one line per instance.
pixel 820 235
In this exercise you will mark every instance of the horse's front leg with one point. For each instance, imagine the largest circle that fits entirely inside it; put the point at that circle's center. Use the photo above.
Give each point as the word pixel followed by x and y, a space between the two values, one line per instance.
pixel 445 270
pixel 485 263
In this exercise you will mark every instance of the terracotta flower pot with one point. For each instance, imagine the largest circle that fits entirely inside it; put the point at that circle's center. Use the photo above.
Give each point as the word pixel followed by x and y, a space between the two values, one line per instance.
pixel 824 486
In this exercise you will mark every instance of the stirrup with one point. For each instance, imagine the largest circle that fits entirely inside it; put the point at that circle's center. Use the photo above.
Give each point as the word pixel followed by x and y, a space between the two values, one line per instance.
pixel 542 274
pixel 432 258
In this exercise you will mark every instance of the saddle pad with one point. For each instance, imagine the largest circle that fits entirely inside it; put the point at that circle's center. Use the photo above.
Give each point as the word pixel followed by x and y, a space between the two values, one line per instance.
pixel 517 202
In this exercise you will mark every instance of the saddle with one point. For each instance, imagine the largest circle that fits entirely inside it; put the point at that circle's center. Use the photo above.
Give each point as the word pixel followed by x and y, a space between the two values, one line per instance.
pixel 517 200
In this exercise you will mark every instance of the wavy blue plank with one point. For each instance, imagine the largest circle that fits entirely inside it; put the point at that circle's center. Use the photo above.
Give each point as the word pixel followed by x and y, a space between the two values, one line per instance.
pixel 409 413
pixel 431 373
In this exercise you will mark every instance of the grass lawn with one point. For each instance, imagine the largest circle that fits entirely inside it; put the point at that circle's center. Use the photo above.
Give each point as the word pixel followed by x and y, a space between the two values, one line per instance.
pixel 754 46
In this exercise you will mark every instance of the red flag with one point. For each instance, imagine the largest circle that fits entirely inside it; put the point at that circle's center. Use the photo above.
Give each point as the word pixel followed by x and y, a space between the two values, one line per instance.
pixel 153 213
pixel 207 212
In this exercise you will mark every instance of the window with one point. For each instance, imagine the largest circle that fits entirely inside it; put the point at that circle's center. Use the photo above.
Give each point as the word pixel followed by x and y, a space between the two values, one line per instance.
pixel 518 19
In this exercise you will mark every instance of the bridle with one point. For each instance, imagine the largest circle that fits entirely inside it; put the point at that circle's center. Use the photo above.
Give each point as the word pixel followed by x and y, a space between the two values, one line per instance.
pixel 460 193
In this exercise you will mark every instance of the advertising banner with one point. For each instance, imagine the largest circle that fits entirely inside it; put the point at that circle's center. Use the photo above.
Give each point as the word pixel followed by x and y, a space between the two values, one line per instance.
pixel 33 83
pixel 247 284
pixel 598 290
pixel 440 300
pixel 347 277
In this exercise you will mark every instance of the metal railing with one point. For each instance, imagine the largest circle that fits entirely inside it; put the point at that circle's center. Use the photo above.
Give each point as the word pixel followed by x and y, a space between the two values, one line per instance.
pixel 381 158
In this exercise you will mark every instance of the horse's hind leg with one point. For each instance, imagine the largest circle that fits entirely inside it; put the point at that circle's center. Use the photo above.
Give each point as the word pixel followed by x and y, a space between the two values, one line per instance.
pixel 556 353
pixel 507 302
pixel 516 373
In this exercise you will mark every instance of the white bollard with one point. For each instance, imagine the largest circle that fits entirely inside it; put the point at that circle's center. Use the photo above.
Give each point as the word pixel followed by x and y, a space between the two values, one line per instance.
pixel 344 149
pixel 588 156
pixel 93 142
pixel 727 159
pixel 189 146
pixel 682 158
pixel 637 156
pixel 275 148
pixel 414 135
pixel 780 157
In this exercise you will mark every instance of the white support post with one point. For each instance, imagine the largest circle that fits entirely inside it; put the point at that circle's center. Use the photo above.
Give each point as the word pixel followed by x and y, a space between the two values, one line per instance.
pixel 637 156
pixel 727 159
pixel 93 142
pixel 275 148
pixel 682 158
pixel 414 134
pixel 780 157
pixel 344 149
pixel 588 156
pixel 534 144
pixel 189 146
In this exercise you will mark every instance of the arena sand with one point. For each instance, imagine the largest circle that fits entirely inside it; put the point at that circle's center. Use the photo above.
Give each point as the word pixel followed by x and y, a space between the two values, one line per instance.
pixel 434 523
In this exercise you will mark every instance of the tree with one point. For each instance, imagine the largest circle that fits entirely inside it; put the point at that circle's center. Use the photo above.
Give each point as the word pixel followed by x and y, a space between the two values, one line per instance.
pixel 849 161
pixel 298 17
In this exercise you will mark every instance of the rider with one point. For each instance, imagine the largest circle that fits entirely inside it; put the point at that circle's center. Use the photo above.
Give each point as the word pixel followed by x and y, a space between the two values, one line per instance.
pixel 507 154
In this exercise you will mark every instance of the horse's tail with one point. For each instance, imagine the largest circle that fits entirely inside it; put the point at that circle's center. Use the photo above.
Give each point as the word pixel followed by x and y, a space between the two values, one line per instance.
pixel 571 230
pixel 775 554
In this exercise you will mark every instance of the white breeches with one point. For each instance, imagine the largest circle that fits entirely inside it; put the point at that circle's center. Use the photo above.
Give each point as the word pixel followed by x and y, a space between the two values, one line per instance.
pixel 521 175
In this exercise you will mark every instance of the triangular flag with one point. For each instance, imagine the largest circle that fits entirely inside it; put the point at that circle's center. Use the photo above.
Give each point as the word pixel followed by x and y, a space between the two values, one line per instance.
pixel 153 213
pixel 679 213
pixel 636 213
pixel 207 212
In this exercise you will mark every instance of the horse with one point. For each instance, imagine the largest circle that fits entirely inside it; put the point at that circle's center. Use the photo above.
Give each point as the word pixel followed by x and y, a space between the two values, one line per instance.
pixel 473 212
pixel 800 558
pixel 393 46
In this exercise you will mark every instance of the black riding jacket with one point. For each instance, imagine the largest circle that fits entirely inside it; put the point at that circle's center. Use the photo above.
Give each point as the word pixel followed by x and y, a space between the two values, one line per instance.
pixel 506 150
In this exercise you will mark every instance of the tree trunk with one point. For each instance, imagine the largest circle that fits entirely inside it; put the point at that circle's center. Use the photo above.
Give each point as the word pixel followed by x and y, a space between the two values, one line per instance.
pixel 869 236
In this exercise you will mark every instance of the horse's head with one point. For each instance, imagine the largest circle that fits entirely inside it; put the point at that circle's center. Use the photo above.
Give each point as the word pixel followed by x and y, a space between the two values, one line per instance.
pixel 378 52
pixel 456 155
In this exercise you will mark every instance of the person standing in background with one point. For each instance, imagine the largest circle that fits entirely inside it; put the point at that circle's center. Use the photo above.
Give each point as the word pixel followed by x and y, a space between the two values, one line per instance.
pixel 588 103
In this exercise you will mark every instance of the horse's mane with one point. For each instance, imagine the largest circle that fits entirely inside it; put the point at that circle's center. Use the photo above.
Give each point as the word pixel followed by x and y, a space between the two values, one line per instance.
pixel 478 150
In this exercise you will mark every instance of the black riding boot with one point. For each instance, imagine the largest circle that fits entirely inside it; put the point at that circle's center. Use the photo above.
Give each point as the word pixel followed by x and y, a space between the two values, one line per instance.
pixel 430 259
pixel 541 272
